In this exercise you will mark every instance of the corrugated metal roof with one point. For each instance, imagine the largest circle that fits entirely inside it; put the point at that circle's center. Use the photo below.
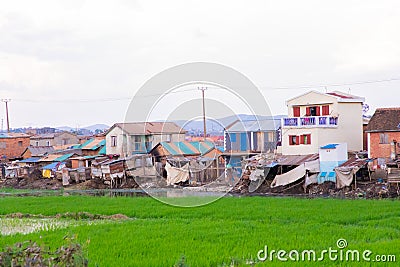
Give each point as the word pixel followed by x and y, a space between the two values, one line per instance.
pixel 56 157
pixel 30 160
pixel 14 135
pixel 38 151
pixel 355 162
pixel 187 148
pixel 272 124
pixel 64 157
pixel 289 160
pixel 93 144
pixel 144 128
pixel 103 151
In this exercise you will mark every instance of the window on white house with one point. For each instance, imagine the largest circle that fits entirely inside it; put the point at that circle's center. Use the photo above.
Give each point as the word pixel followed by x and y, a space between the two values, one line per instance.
pixel 113 141
pixel 305 139
pixel 293 140
pixel 383 138
pixel 137 142
pixel 47 143
pixel 37 143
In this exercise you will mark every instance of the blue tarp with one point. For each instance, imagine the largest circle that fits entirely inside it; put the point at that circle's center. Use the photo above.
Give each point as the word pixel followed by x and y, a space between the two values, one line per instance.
pixel 30 160
pixel 53 166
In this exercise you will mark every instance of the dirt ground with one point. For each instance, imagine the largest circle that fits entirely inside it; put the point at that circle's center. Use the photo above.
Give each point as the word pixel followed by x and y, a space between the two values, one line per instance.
pixel 363 189
pixel 31 183
pixel 35 182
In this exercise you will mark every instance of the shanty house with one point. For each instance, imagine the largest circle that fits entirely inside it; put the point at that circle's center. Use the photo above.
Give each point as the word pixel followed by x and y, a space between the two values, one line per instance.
pixel 54 139
pixel 37 151
pixel 13 144
pixel 259 136
pixel 316 119
pixel 198 161
pixel 384 133
pixel 245 138
pixel 93 146
pixel 127 139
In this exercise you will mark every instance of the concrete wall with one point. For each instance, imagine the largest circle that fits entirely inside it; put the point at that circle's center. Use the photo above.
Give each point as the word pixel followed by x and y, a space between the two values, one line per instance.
pixel 350 126
pixel 42 142
pixel 65 139
pixel 339 154
pixel 121 147
pixel 126 143
pixel 349 129
pixel 288 149
pixel 311 98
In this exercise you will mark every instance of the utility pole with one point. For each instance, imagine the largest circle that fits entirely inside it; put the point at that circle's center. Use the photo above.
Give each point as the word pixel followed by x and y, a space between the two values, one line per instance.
pixel 204 111
pixel 8 122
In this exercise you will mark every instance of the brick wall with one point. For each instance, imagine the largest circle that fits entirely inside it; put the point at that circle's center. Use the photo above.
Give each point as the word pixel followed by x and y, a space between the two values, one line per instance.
pixel 383 150
pixel 13 147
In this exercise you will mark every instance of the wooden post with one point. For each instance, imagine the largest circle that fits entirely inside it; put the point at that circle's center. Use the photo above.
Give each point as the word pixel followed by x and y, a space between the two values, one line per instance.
pixel 355 181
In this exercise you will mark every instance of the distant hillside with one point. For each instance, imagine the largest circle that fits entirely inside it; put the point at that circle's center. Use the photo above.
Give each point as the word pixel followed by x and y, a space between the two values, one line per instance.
pixel 97 126
pixel 91 128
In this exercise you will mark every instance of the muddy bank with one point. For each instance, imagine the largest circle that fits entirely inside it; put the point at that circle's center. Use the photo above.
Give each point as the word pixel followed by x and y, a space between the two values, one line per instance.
pixel 367 189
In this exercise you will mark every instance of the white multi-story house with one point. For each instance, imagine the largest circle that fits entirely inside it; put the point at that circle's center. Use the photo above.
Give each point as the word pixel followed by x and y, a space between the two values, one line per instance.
pixel 316 119
pixel 127 139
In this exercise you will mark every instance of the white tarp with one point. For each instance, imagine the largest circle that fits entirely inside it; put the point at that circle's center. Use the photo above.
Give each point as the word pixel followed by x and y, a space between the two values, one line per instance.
pixel 311 179
pixel 295 174
pixel 176 175
pixel 289 177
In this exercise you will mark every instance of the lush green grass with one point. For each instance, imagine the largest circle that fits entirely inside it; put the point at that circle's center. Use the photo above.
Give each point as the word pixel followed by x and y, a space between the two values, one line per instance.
pixel 212 235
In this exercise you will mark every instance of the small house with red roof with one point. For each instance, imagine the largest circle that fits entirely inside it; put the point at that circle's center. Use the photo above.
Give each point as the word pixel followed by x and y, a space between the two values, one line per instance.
pixel 384 133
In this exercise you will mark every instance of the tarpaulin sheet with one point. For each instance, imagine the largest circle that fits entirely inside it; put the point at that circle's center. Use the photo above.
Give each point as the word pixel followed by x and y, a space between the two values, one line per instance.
pixel 345 176
pixel 289 177
pixel 295 174
pixel 312 179
pixel 176 175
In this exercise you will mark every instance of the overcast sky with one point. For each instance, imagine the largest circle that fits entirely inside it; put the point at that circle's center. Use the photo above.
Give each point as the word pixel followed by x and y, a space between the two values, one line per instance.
pixel 78 62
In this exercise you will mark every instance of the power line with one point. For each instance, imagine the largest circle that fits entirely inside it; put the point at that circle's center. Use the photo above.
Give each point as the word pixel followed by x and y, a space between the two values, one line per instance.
pixel 329 85
pixel 211 87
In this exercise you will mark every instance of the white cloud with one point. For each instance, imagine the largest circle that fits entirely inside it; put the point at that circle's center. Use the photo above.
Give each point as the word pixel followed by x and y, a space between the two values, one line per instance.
pixel 102 49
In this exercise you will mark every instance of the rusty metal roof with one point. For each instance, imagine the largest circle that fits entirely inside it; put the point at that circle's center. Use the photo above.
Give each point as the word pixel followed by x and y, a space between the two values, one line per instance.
pixel 143 128
pixel 288 160
pixel 355 162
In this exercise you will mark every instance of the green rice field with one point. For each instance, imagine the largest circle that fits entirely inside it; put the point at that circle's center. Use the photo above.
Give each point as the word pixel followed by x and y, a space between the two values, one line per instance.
pixel 228 232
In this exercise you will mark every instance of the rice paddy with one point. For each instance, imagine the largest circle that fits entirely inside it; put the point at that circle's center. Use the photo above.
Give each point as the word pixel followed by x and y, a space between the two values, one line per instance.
pixel 228 232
